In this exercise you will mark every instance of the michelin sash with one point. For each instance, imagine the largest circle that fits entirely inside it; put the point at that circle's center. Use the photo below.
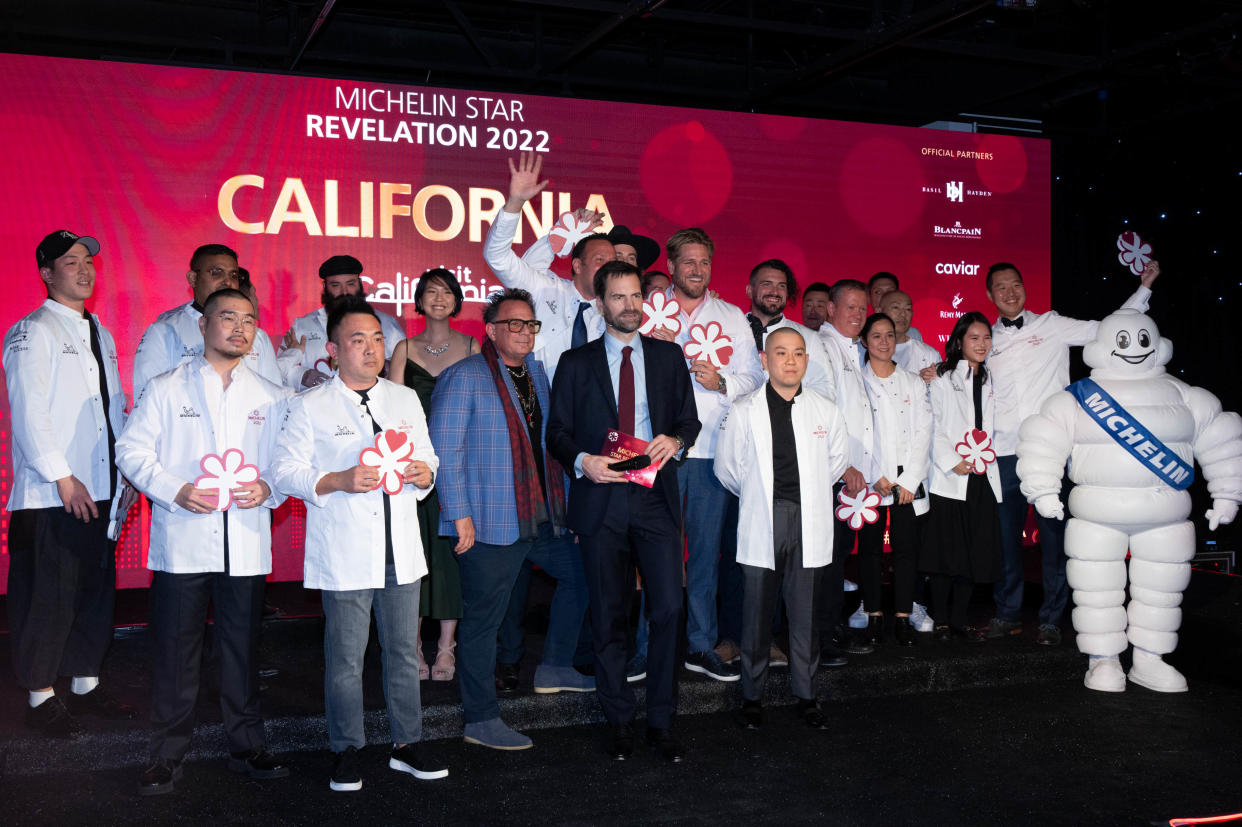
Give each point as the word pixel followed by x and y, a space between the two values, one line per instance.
pixel 1130 434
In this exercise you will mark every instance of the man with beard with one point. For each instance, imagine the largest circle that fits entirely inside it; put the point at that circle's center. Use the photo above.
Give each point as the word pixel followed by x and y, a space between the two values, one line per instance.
pixel 174 338
pixel 303 358
pixel 772 286
pixel 626 383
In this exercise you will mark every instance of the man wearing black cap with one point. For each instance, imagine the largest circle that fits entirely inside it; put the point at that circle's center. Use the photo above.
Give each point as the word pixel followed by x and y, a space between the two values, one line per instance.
pixel 66 407
pixel 638 250
pixel 303 357
pixel 174 338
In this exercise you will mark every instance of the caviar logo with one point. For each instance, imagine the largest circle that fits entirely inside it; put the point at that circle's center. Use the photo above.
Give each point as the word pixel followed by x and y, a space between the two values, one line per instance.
pixel 956 268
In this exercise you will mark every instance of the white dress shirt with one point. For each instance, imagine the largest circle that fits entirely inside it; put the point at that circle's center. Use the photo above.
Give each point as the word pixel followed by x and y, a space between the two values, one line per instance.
pixel 174 338
pixel 852 399
pixel 326 430
pixel 292 362
pixel 953 414
pixel 1031 363
pixel 743 464
pixel 556 299
pixel 184 415
pixel 55 410
pixel 903 420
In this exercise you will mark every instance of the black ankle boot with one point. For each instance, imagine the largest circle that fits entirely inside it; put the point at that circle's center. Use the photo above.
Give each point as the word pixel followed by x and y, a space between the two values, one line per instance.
pixel 903 631
pixel 875 629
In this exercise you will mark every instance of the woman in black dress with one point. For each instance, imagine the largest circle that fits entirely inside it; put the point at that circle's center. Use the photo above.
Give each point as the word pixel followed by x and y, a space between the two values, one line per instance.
pixel 417 362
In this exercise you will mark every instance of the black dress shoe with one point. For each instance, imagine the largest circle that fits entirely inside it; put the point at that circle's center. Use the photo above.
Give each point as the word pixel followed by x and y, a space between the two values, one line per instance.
pixel 52 719
pixel 751 716
pixel 100 703
pixel 903 632
pixel 875 630
pixel 621 744
pixel 258 763
pixel 832 657
pixel 811 714
pixel 847 640
pixel 664 745
pixel 506 678
pixel 159 778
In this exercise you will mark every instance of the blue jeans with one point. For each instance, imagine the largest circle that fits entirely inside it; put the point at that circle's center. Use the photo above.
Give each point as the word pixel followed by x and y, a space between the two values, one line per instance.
pixel 1007 593
pixel 705 502
pixel 347 616
pixel 487 576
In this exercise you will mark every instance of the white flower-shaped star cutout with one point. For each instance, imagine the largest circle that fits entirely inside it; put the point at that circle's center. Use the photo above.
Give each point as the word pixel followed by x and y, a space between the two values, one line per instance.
pixel 224 473
pixel 858 509
pixel 708 343
pixel 976 449
pixel 568 231
pixel 390 455
pixel 1135 253
pixel 661 311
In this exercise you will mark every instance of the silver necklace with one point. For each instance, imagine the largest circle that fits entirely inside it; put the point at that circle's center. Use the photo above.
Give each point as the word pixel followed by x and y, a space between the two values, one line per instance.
pixel 436 351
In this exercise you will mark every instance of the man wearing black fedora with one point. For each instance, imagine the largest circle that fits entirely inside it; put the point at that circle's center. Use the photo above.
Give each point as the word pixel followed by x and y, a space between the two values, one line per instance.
pixel 638 250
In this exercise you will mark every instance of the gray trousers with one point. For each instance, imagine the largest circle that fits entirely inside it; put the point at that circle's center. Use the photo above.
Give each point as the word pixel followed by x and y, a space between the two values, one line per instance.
pixel 761 589
pixel 347 616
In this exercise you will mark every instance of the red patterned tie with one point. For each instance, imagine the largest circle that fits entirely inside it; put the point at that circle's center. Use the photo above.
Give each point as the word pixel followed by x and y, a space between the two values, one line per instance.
pixel 625 393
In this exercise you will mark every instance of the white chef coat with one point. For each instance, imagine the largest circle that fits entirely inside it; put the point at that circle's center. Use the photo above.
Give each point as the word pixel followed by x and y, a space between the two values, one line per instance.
pixel 953 414
pixel 819 376
pixel 743 464
pixel 292 362
pixel 743 374
pixel 852 399
pixel 915 354
pixel 1032 363
pixel 556 299
pixel 55 410
pixel 903 421
pixel 326 430
pixel 174 338
pixel 184 415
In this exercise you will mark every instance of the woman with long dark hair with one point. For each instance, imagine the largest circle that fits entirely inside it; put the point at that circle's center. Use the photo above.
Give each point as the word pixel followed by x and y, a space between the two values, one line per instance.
pixel 963 544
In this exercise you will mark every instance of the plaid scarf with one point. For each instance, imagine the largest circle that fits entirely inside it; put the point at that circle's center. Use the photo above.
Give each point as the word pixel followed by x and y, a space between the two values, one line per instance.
pixel 525 473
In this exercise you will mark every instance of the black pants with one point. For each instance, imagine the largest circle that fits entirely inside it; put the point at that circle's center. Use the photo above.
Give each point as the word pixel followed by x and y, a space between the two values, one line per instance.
pixel 178 609
pixel 950 599
pixel 832 583
pixel 62 588
pixel 901 537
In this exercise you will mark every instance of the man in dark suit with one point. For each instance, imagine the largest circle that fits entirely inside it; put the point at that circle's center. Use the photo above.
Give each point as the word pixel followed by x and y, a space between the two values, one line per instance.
pixel 641 387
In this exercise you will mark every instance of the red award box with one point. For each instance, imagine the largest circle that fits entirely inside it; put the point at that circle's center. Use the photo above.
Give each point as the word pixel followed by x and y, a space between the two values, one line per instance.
pixel 619 446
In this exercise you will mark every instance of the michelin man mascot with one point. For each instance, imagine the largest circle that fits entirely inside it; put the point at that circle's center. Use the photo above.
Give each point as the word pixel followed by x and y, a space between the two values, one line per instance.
pixel 1132 434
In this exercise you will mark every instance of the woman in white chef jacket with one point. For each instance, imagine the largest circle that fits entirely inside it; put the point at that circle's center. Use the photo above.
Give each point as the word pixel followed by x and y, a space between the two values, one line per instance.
pixel 903 426
pixel 962 546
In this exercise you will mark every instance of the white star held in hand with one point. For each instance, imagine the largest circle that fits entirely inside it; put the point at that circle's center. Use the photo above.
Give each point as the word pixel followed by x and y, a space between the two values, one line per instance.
pixel 566 232
pixel 660 311
pixel 708 343
pixel 1135 253
pixel 976 448
pixel 858 509
pixel 224 473
pixel 390 455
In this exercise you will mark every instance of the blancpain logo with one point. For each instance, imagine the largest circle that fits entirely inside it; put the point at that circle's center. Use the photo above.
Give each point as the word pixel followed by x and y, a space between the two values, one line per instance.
pixel 956 231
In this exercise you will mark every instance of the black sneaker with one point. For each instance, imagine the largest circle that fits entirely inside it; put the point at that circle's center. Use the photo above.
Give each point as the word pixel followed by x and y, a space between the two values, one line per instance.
pixel 258 763
pixel 100 703
pixel 1049 635
pixel 999 628
pixel 52 719
pixel 413 759
pixel 709 663
pixel 345 775
pixel 160 777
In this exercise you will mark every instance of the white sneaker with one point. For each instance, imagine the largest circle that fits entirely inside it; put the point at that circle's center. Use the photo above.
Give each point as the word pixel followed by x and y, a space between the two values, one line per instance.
pixel 921 620
pixel 1150 670
pixel 1105 674
pixel 860 618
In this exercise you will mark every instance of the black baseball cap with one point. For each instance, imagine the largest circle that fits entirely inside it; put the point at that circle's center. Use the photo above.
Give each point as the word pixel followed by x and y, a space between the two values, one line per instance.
pixel 54 245
pixel 647 249
pixel 340 266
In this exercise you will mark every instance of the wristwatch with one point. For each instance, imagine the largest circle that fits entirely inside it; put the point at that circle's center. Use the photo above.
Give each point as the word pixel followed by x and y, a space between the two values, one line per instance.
pixel 723 387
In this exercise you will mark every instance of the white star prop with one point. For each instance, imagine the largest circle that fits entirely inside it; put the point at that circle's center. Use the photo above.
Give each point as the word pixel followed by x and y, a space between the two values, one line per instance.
pixel 224 473
pixel 660 311
pixel 390 455
pixel 566 232
pixel 1135 253
pixel 858 509
pixel 708 343
pixel 976 448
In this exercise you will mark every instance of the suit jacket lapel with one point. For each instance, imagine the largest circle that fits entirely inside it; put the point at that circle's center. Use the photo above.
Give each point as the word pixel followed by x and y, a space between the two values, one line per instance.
pixel 599 366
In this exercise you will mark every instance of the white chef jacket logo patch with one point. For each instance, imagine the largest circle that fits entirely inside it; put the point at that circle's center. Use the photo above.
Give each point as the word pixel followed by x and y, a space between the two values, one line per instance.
pixel 819 432
pixel 255 417
pixel 344 430
pixel 188 412
pixel 69 350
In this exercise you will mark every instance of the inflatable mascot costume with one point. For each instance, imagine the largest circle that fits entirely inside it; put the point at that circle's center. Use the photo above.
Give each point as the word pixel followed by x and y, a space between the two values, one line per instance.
pixel 1131 433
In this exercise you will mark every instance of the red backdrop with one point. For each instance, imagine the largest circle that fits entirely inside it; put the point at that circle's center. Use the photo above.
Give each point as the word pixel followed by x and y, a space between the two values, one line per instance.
pixel 155 161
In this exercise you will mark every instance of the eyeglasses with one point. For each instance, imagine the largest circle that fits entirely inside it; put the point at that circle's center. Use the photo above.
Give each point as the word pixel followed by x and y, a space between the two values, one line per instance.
pixel 516 325
pixel 217 272
pixel 231 319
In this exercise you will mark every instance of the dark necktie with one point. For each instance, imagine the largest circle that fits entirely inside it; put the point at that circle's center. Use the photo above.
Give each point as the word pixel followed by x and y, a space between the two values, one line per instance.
pixel 375 428
pixel 1013 322
pixel 580 335
pixel 625 393
pixel 97 351
pixel 756 327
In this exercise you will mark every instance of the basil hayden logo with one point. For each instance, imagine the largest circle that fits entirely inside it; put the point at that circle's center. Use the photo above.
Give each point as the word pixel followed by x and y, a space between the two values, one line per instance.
pixel 956 231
